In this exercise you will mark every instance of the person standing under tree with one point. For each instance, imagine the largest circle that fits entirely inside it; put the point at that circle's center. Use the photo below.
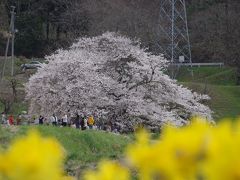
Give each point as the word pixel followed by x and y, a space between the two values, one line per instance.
pixel 3 118
pixel 77 121
pixel 82 123
pixel 65 120
pixel 90 122
pixel 10 120
pixel 40 120
pixel 54 120
pixel 19 119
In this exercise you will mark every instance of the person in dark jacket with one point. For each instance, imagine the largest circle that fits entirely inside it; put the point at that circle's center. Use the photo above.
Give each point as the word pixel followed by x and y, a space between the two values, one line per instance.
pixel 40 119
pixel 77 121
pixel 82 123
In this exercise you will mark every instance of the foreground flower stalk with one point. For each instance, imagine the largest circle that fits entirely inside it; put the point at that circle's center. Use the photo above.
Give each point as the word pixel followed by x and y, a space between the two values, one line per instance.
pixel 197 151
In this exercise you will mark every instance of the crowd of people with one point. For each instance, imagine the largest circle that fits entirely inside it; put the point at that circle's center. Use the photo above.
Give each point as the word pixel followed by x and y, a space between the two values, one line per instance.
pixel 10 120
pixel 82 122
pixel 78 121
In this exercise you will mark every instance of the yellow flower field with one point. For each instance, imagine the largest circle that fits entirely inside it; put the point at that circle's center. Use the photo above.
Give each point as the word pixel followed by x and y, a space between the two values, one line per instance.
pixel 196 152
pixel 199 151
pixel 32 158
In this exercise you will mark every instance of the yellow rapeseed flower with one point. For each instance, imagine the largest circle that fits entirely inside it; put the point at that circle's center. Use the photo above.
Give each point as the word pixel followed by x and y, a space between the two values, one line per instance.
pixel 108 171
pixel 175 155
pixel 32 158
pixel 223 160
pixel 197 151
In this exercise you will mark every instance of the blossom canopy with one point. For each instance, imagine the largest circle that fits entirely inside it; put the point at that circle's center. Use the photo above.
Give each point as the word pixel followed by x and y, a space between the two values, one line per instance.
pixel 113 78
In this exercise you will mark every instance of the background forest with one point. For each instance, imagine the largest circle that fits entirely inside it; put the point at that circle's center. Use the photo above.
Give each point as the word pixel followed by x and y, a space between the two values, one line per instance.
pixel 45 25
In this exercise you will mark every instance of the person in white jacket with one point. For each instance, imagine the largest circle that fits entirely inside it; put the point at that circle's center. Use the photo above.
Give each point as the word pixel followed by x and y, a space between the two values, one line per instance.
pixel 54 120
pixel 65 120
pixel 3 120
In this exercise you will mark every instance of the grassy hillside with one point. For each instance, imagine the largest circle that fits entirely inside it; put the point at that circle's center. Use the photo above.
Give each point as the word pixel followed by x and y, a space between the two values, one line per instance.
pixel 5 85
pixel 219 83
pixel 209 75
pixel 84 148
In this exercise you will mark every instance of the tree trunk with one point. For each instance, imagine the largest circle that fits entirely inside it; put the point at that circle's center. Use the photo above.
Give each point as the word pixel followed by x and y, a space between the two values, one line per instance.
pixel 47 26
pixel 7 104
pixel 14 84
pixel 238 74
pixel 58 32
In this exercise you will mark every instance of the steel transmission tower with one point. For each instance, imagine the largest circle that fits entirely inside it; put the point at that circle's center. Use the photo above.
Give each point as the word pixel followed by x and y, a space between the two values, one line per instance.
pixel 173 31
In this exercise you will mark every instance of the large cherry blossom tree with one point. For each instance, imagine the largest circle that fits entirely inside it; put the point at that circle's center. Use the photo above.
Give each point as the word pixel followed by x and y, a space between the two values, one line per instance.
pixel 113 78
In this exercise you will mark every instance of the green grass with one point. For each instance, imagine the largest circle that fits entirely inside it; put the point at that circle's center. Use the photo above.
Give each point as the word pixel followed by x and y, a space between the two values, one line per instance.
pixel 210 75
pixel 5 137
pixel 219 84
pixel 84 148
pixel 8 65
pixel 225 100
pixel 5 87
